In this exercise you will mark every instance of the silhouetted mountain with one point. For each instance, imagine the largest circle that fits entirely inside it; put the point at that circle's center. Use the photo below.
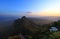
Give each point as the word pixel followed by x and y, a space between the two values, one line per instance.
pixel 26 23
pixel 27 27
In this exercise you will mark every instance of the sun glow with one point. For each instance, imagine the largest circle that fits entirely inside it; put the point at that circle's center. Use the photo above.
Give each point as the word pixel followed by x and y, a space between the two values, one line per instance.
pixel 46 13
pixel 52 8
pixel 55 11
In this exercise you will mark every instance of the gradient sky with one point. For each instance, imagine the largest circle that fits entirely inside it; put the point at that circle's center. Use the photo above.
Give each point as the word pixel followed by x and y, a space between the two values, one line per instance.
pixel 24 7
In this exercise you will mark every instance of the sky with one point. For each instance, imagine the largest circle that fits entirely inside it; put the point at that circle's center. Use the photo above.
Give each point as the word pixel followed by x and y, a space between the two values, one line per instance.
pixel 30 7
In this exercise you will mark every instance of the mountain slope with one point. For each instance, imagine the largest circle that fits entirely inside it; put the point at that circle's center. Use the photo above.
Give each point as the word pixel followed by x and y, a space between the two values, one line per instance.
pixel 26 23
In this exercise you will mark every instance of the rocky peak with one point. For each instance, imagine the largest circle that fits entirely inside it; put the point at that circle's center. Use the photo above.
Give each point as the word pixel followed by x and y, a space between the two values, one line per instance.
pixel 25 22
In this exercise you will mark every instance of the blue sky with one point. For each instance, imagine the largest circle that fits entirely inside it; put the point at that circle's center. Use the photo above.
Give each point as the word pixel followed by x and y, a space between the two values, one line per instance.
pixel 20 5
pixel 23 6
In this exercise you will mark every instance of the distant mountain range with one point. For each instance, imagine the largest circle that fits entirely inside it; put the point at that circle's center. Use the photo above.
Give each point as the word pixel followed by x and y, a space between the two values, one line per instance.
pixel 8 20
